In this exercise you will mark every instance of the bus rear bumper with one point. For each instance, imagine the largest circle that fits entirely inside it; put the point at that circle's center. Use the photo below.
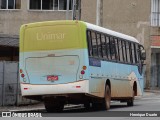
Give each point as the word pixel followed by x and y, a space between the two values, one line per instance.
pixel 69 88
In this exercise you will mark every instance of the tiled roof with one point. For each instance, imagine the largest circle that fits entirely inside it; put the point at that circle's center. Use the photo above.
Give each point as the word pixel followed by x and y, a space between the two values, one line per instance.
pixel 9 40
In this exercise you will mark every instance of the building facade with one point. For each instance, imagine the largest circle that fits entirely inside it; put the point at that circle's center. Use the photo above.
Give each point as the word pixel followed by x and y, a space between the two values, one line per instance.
pixel 138 18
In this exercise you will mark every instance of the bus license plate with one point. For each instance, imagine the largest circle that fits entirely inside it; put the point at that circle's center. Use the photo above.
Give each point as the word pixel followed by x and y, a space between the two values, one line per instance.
pixel 52 78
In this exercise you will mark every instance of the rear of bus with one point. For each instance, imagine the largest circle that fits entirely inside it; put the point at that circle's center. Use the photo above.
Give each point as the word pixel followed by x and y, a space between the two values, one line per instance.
pixel 53 59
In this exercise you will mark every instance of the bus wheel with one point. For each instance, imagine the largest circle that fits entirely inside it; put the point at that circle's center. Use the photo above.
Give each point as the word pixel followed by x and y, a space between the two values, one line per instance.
pixel 130 102
pixel 107 98
pixel 57 107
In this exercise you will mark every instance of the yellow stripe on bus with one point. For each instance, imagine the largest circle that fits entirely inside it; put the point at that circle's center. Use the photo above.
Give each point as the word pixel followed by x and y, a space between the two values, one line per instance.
pixel 53 36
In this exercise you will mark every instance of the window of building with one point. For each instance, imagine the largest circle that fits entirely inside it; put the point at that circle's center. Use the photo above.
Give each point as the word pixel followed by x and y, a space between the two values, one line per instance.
pixel 51 4
pixel 10 4
pixel 155 12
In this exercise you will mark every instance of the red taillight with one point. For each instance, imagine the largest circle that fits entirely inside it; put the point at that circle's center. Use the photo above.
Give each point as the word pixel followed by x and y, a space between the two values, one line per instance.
pixel 25 88
pixel 82 72
pixel 78 86
pixel 22 75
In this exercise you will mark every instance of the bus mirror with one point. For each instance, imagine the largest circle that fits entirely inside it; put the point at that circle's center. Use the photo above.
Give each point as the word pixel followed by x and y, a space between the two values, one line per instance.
pixel 143 55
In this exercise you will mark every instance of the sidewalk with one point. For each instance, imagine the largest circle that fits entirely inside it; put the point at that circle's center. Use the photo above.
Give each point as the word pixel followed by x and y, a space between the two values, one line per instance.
pixel 152 90
pixel 40 106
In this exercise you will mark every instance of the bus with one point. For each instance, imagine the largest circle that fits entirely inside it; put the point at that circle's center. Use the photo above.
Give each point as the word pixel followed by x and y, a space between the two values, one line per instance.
pixel 75 62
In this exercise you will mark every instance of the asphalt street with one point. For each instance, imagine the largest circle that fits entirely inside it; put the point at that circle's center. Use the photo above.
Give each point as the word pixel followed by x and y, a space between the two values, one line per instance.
pixel 148 104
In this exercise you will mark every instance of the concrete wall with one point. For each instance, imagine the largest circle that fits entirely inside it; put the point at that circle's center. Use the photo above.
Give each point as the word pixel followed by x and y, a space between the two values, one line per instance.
pixel 10 92
pixel 89 11
pixel 11 20
pixel 131 17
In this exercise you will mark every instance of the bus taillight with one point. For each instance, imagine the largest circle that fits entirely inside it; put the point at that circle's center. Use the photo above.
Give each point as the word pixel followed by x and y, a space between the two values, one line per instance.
pixel 78 86
pixel 22 75
pixel 21 71
pixel 25 88
pixel 84 67
pixel 82 72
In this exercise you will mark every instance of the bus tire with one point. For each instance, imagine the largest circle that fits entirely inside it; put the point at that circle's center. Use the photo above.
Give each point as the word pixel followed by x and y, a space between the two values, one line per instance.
pixel 130 102
pixel 57 107
pixel 107 98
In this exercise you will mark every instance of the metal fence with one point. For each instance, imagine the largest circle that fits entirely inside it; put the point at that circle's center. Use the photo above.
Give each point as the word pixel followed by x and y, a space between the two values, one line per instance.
pixel 10 93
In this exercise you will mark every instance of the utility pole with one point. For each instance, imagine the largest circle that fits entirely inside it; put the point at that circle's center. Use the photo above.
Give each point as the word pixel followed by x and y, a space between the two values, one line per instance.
pixel 67 12
pixel 79 9
pixel 74 10
pixel 99 13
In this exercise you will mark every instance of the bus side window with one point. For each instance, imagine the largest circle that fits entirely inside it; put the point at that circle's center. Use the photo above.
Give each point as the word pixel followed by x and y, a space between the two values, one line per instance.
pixel 133 53
pixel 124 51
pixel 108 48
pixel 117 49
pixel 103 40
pixel 99 45
pixel 138 52
pixel 128 52
pixel 89 40
pixel 94 44
pixel 120 50
pixel 112 48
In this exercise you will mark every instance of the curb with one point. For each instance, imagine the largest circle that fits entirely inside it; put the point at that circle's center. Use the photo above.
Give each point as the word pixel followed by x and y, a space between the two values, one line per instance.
pixel 152 91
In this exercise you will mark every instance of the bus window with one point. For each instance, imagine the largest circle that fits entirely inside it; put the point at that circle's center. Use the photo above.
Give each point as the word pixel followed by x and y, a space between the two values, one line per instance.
pixel 89 40
pixel 138 53
pixel 108 48
pixel 124 51
pixel 94 44
pixel 120 50
pixel 103 46
pixel 112 48
pixel 133 53
pixel 116 49
pixel 128 52
pixel 99 45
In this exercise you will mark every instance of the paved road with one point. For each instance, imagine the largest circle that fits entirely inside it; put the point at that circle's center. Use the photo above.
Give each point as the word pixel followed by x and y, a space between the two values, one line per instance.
pixel 150 103
pixel 147 103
